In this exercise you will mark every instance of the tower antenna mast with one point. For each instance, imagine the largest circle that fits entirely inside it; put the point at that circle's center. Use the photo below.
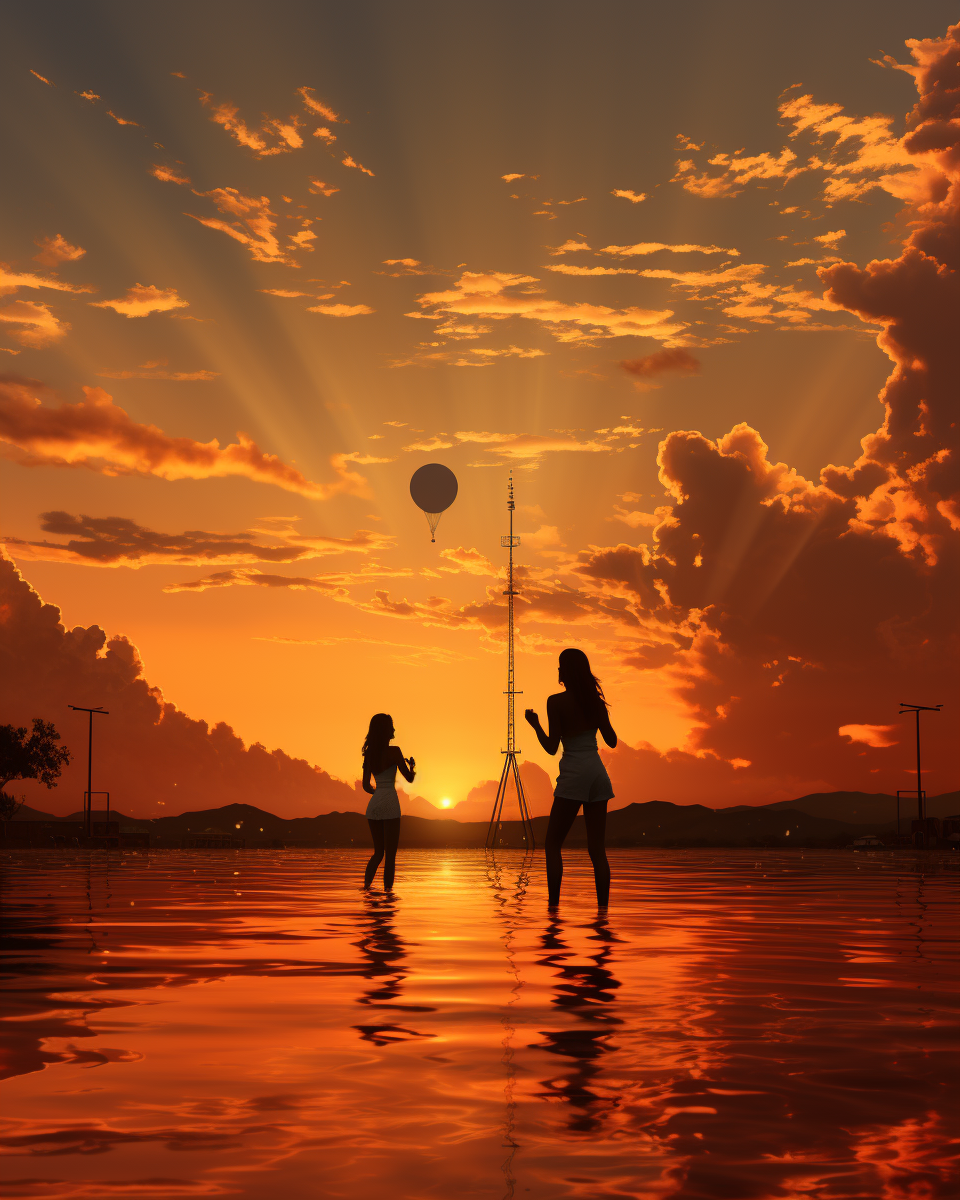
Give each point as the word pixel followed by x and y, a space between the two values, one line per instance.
pixel 510 767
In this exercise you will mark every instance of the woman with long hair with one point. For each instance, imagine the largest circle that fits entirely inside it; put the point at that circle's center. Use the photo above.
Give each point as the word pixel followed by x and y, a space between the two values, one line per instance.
pixel 573 717
pixel 381 761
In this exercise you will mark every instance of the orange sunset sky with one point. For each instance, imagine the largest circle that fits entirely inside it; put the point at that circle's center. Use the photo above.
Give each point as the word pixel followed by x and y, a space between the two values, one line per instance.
pixel 689 271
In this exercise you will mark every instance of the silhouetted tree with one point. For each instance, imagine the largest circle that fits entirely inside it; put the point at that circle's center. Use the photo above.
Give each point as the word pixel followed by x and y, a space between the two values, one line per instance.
pixel 26 755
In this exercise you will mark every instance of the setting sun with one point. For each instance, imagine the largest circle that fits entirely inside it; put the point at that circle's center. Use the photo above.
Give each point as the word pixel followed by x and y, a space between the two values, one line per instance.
pixel 445 802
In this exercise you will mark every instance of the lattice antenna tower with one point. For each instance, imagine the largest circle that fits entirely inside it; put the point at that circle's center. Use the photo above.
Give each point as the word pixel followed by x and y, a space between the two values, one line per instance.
pixel 511 770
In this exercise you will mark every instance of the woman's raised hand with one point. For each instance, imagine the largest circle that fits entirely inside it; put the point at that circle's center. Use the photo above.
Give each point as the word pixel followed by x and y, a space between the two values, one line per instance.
pixel 412 763
pixel 531 716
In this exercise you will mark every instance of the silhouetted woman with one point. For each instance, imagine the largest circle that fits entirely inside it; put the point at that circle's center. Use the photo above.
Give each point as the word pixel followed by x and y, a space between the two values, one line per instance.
pixel 381 761
pixel 573 718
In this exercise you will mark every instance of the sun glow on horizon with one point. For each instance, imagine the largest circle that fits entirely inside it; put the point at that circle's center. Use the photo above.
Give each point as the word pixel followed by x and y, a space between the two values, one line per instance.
pixel 445 802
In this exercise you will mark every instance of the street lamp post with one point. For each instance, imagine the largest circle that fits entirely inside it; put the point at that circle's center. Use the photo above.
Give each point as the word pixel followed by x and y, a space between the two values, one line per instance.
pixel 88 798
pixel 917 709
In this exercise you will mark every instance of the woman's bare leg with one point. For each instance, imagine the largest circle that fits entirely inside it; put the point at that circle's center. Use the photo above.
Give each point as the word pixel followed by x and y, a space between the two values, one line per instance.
pixel 595 818
pixel 376 858
pixel 562 816
pixel 391 839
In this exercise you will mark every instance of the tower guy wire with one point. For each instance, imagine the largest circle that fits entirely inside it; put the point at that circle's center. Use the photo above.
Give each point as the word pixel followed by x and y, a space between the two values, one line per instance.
pixel 511 770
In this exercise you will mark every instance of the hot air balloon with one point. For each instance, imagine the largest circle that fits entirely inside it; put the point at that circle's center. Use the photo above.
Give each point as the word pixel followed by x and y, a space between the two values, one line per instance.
pixel 433 488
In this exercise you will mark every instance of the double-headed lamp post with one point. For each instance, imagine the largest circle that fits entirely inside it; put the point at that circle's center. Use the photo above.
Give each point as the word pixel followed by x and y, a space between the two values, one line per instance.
pixel 917 709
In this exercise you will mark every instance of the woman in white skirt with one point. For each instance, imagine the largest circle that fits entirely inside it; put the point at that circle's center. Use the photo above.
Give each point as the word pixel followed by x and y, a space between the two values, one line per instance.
pixel 381 761
pixel 574 716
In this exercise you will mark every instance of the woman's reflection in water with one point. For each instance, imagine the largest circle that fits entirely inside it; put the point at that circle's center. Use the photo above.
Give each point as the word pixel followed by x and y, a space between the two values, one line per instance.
pixel 586 992
pixel 382 953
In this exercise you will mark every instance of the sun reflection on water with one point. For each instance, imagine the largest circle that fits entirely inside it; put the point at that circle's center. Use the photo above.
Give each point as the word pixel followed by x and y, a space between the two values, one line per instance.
pixel 732 1026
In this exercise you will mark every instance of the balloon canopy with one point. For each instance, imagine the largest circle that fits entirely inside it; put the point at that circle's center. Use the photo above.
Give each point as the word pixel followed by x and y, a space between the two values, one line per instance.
pixel 433 488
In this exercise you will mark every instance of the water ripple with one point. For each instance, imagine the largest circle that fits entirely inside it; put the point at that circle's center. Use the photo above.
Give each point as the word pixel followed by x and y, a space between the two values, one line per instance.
pixel 217 1023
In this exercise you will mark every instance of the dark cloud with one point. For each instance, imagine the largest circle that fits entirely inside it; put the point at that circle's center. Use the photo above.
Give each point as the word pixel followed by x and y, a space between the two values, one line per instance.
pixel 258 579
pixel 118 541
pixel 663 360
pixel 102 437
pixel 157 759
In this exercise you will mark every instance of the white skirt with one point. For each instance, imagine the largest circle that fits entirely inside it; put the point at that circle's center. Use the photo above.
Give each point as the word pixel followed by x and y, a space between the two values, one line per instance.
pixel 384 805
pixel 583 778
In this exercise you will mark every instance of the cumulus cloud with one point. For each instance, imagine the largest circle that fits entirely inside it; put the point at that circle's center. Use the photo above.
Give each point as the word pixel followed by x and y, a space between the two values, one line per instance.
pixel 142 300
pixel 830 239
pixel 505 352
pixel 571 269
pixel 742 274
pixel 342 310
pixel 254 226
pixel 775 616
pixel 156 757
pixel 286 132
pixel 787 610
pixel 471 561
pixel 302 239
pixel 635 518
pixel 32 324
pixel 12 281
pixel 408 266
pixel 121 542
pixel 99 435
pixel 744 296
pixel 169 175
pixel 275 135
pixel 499 295
pixel 319 188
pixel 544 538
pixel 627 194
pixel 641 248
pixel 876 736
pixel 312 104
pixel 569 246
pixel 470 356
pixel 428 445
pixel 56 249
pixel 349 161
pixel 681 777
pixel 529 446
pixel 854 155
pixel 738 170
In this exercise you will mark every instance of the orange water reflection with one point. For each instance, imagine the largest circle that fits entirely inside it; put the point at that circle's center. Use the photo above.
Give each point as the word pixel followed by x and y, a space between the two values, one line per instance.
pixel 251 1024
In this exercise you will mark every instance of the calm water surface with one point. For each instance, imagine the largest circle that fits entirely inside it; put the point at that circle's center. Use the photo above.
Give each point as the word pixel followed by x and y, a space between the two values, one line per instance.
pixel 743 1024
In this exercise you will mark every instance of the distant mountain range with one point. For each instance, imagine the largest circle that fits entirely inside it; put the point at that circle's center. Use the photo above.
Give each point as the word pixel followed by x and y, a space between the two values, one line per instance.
pixel 821 819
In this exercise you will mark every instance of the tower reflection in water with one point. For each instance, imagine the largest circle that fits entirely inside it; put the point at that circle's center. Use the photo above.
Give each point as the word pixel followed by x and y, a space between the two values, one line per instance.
pixel 382 954
pixel 585 991
pixel 509 894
